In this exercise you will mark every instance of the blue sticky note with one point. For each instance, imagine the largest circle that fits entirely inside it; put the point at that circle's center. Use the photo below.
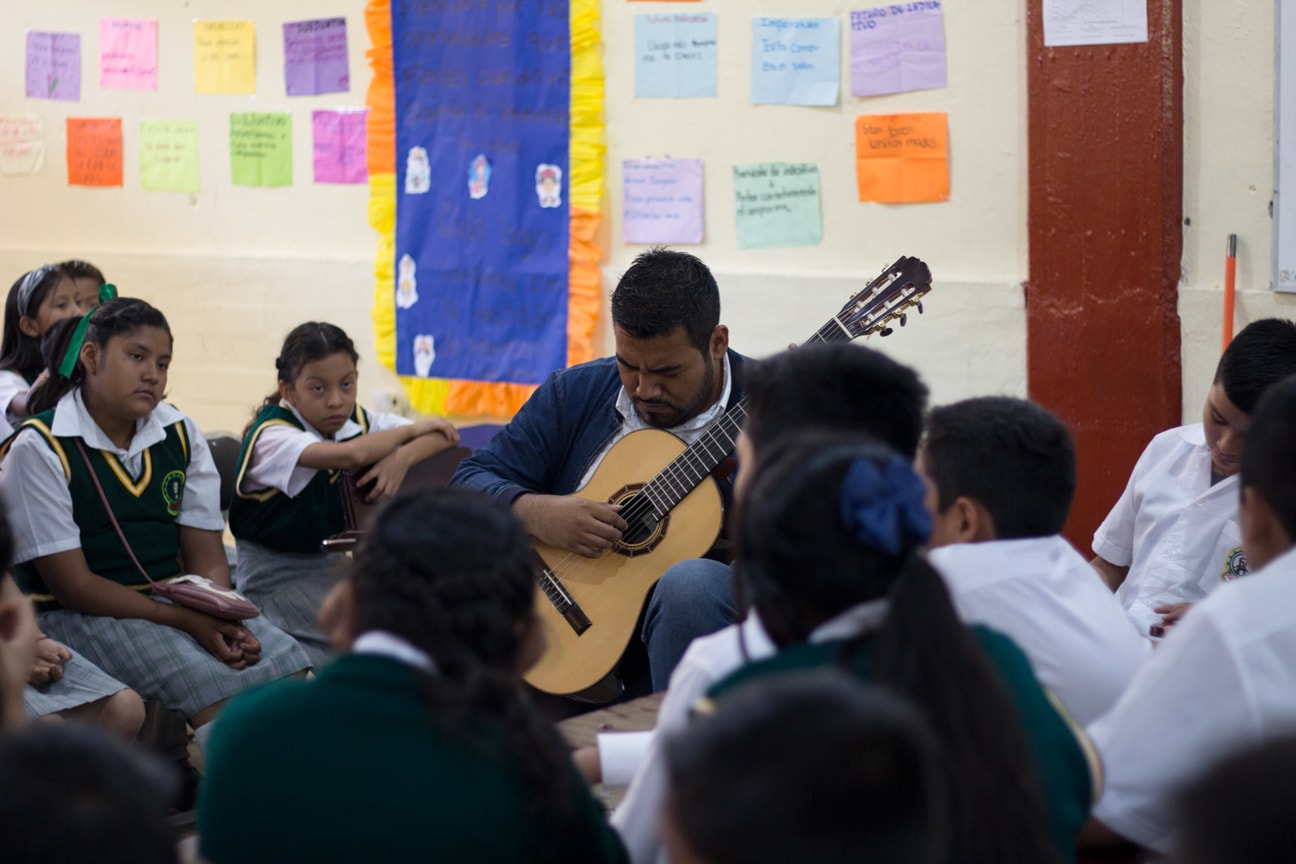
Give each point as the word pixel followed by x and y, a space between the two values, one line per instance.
pixel 796 61
pixel 675 55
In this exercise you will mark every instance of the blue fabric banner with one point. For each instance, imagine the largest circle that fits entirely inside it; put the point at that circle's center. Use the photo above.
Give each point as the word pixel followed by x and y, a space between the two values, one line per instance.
pixel 482 222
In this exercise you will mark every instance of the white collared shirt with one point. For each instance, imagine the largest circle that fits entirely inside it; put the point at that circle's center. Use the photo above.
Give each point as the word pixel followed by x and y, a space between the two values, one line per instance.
pixel 383 644
pixel 36 493
pixel 11 384
pixel 688 431
pixel 278 449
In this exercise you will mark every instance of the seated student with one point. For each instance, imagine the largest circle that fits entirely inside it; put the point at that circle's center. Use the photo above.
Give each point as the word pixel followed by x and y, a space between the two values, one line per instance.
pixel 36 302
pixel 841 387
pixel 830 534
pixel 818 767
pixel 18 637
pixel 286 499
pixel 1172 538
pixel 101 432
pixel 80 795
pixel 1000 476
pixel 418 736
pixel 1226 677
pixel 87 278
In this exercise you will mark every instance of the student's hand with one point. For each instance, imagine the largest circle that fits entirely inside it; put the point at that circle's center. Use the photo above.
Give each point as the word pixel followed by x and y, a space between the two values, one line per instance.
pixel 387 475
pixel 48 663
pixel 1171 613
pixel 431 425
pixel 588 764
pixel 588 528
pixel 227 641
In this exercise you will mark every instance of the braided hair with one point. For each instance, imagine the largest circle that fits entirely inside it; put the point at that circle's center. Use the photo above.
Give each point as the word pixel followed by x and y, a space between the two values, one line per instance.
pixel 304 344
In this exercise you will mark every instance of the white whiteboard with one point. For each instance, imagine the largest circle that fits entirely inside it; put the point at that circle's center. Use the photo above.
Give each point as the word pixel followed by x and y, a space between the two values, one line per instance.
pixel 1284 207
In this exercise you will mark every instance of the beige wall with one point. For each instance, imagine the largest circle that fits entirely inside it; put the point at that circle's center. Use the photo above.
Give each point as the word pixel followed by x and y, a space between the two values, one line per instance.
pixel 234 268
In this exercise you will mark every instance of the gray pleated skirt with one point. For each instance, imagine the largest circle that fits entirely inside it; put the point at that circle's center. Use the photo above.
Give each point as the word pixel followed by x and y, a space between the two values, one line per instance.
pixel 82 683
pixel 289 588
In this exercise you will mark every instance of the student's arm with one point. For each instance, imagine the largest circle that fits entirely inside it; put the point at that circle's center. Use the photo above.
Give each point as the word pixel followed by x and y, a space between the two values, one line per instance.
pixel 366 449
pixel 389 472
pixel 203 554
pixel 1112 574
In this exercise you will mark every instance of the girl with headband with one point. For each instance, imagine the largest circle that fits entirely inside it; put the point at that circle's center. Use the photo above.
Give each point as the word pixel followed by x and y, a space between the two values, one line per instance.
pixel 36 302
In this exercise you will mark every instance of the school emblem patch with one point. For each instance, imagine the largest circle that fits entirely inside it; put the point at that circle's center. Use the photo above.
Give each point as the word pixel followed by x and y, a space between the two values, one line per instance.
pixel 1235 566
pixel 173 491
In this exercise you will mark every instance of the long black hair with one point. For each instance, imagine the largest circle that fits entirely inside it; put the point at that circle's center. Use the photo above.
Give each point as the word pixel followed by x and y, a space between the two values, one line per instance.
pixel 807 552
pixel 18 351
pixel 115 317
pixel 304 344
pixel 451 572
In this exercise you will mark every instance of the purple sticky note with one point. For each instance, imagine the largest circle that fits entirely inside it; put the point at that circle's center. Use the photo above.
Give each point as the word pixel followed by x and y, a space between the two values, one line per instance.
pixel 661 201
pixel 897 48
pixel 340 153
pixel 315 57
pixel 53 65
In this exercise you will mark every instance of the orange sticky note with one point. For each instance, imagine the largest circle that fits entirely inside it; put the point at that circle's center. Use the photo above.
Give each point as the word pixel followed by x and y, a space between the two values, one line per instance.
pixel 94 151
pixel 902 158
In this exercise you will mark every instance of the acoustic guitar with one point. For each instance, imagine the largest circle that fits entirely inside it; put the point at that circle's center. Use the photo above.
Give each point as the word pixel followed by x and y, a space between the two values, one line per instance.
pixel 588 607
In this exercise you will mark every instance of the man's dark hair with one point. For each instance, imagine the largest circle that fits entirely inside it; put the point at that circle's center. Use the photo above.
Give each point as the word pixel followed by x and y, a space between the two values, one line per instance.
pixel 1010 455
pixel 834 388
pixel 1262 354
pixel 663 291
pixel 1269 457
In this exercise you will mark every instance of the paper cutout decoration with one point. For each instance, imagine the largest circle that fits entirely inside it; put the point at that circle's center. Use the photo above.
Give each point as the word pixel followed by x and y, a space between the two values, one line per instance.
pixel 315 57
pixel 661 201
pixel 169 156
pixel 261 149
pixel 339 145
pixel 902 158
pixel 479 177
pixel 53 66
pixel 224 56
pixel 675 55
pixel 418 172
pixel 94 151
pixel 22 144
pixel 407 283
pixel 796 61
pixel 897 48
pixel 549 185
pixel 128 53
pixel 777 204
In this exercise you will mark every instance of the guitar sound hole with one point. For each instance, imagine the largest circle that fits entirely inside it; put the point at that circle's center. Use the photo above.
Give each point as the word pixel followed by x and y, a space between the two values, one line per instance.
pixel 641 525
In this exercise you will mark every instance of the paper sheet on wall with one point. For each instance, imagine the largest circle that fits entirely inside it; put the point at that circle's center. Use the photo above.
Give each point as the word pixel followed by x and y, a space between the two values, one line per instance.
pixel 53 66
pixel 94 151
pixel 315 57
pixel 224 56
pixel 897 48
pixel 22 144
pixel 902 158
pixel 128 53
pixel 796 61
pixel 661 201
pixel 777 204
pixel 169 155
pixel 675 55
pixel 339 145
pixel 1094 22
pixel 261 149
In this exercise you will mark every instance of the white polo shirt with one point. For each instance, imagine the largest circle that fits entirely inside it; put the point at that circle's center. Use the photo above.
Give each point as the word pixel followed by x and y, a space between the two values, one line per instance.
pixel 1225 678
pixel 11 384
pixel 1042 593
pixel 1176 532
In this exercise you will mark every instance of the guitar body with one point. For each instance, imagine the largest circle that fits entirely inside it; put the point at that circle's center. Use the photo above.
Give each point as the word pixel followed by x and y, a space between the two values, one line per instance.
pixel 611 590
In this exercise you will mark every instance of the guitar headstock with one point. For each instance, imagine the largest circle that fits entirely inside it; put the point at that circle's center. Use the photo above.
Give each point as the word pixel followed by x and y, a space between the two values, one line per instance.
pixel 886 299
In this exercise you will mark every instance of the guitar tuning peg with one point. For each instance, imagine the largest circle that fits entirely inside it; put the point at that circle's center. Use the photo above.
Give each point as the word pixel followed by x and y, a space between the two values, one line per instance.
pixel 885 331
pixel 920 309
pixel 904 319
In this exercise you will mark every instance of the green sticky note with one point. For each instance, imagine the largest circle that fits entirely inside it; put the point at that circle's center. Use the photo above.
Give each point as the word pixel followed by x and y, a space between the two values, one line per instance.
pixel 261 149
pixel 777 204
pixel 169 155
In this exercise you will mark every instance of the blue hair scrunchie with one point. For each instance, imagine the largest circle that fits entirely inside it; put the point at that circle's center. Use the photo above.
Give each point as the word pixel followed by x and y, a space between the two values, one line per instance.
pixel 884 508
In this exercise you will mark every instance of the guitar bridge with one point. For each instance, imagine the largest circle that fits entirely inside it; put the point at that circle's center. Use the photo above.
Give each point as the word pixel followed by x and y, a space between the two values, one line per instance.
pixel 562 601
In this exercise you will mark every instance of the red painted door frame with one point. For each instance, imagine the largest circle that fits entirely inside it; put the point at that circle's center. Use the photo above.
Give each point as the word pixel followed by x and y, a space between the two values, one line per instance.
pixel 1105 223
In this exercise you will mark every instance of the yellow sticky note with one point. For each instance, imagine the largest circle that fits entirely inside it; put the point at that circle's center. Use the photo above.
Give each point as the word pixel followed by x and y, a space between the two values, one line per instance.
pixel 902 158
pixel 224 56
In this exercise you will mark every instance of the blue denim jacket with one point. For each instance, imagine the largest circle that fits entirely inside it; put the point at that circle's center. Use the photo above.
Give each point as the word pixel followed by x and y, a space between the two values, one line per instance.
pixel 549 443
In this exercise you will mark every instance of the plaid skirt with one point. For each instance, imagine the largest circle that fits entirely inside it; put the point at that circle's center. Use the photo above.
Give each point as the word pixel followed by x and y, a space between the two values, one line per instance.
pixel 82 683
pixel 288 588
pixel 166 664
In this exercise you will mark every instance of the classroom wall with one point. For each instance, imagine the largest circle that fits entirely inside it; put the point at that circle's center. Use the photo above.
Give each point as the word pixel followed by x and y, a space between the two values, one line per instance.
pixel 234 267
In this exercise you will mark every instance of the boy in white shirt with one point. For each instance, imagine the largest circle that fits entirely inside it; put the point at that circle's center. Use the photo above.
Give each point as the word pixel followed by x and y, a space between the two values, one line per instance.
pixel 1173 536
pixel 1001 475
pixel 1226 677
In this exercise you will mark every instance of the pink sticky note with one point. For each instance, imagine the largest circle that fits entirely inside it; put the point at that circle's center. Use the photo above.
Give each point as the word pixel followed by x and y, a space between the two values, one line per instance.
pixel 339 145
pixel 128 53
pixel 53 65
pixel 661 201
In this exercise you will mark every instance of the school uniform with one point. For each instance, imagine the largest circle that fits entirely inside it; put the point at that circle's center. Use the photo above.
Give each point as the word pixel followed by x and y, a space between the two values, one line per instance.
pixel 281 512
pixel 165 479
pixel 82 683
pixel 1045 596
pixel 1068 768
pixel 11 384
pixel 1224 679
pixel 1177 533
pixel 352 767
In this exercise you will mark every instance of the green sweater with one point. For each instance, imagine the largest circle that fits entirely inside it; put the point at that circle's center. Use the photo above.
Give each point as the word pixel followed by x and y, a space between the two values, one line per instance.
pixel 348 768
pixel 1067 766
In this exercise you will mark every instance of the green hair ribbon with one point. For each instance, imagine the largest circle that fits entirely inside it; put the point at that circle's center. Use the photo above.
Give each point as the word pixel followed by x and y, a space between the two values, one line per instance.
pixel 106 292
